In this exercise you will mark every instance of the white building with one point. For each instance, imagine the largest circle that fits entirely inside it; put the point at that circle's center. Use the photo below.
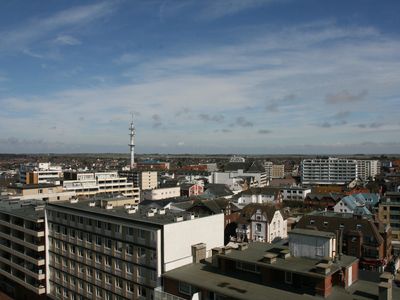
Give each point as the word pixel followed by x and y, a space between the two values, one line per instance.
pixel 261 223
pixel 312 244
pixel 328 170
pixel 98 250
pixel 260 195
pixel 162 193
pixel 368 169
pixel 44 192
pixel 295 193
pixel 93 183
pixel 36 173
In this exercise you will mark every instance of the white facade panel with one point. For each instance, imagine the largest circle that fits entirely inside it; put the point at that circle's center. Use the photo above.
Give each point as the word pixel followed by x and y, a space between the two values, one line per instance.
pixel 180 236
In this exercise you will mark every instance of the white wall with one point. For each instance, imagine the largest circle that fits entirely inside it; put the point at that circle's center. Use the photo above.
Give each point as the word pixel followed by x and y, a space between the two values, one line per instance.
pixel 180 236
pixel 310 246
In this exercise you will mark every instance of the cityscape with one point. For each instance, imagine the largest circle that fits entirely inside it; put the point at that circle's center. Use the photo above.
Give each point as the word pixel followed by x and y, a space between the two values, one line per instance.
pixel 205 150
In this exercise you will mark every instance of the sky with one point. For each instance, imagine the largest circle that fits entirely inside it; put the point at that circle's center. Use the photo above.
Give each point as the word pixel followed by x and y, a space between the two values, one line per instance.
pixel 209 76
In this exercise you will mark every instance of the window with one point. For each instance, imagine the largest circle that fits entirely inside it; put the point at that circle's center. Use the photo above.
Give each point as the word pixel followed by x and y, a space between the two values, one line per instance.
pixel 118 246
pixel 108 243
pixel 89 288
pixel 141 272
pixel 108 279
pixel 98 275
pixel 129 287
pixel 185 288
pixel 99 258
pixel 108 261
pixel 142 291
pixel 118 283
pixel 258 226
pixel 141 252
pixel 99 293
pixel 99 224
pixel 98 240
pixel 117 264
pixel 129 249
pixel 247 267
pixel 128 268
pixel 288 277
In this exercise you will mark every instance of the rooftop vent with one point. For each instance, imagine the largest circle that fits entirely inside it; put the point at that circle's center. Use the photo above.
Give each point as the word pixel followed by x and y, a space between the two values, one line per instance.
pixel 39 207
pixel 109 206
pixel 285 254
pixel 323 268
pixel 270 258
pixel 92 204
pixel 127 206
pixel 74 200
pixel 161 211
pixel 132 210
pixel 190 216
pixel 243 246
pixel 150 213
pixel 178 218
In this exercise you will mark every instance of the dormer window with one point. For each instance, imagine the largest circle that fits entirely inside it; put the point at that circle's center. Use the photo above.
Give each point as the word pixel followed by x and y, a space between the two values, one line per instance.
pixel 312 222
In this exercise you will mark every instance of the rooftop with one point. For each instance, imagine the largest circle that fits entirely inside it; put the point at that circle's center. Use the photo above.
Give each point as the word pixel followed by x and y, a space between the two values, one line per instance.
pixel 25 209
pixel 143 214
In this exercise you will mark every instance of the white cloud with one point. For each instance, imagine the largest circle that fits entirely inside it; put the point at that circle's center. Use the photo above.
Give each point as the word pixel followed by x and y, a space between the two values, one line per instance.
pixel 33 30
pixel 67 40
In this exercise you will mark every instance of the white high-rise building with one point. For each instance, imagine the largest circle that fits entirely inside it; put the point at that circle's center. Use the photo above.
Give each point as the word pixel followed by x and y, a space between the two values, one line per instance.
pixel 328 170
pixel 367 169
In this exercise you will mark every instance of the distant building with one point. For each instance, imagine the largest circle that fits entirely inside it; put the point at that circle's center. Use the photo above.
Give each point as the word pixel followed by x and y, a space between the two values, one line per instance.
pixel 322 201
pixel 94 183
pixel 261 195
pixel 37 173
pixel 262 223
pixel 144 180
pixel 234 170
pixel 45 192
pixel 162 193
pixel 153 165
pixel 294 193
pixel 357 203
pixel 328 170
pixel 189 189
pixel 368 169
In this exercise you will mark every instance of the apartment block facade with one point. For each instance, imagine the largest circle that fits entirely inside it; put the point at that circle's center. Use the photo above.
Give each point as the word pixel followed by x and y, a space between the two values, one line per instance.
pixel 389 213
pixel 100 251
pixel 22 249
pixel 36 173
pixel 328 170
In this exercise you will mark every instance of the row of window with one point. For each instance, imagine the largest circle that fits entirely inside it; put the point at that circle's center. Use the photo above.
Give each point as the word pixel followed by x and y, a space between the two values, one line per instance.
pixel 81 252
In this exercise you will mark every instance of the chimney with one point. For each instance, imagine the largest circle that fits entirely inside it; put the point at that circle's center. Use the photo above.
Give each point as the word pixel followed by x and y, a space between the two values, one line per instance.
pixel 214 253
pixel 323 268
pixel 270 258
pixel 385 286
pixel 199 252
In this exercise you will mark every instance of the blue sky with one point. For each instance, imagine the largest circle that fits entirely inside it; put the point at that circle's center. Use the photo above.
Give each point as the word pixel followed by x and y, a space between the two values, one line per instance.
pixel 251 76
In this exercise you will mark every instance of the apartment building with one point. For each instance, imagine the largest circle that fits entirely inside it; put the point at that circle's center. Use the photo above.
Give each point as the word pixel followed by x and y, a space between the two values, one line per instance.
pixel 42 191
pixel 362 237
pixel 103 250
pixel 22 249
pixel 261 195
pixel 389 213
pixel 145 180
pixel 262 223
pixel 328 170
pixel 294 193
pixel 307 267
pixel 274 170
pixel 36 173
pixel 93 183
pixel 368 169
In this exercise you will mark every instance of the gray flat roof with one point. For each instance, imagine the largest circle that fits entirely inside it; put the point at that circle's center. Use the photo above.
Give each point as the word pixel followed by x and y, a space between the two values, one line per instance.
pixel 120 212
pixel 209 278
pixel 27 210
pixel 254 254
pixel 312 232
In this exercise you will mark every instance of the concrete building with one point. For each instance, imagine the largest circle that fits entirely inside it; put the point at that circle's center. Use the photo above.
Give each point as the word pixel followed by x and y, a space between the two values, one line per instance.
pixel 368 169
pixel 36 173
pixel 274 170
pixel 294 193
pixel 99 250
pixel 262 223
pixel 389 213
pixel 22 249
pixel 362 237
pixel 261 271
pixel 144 180
pixel 94 183
pixel 44 192
pixel 328 171
pixel 260 195
pixel 162 193
pixel 234 170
